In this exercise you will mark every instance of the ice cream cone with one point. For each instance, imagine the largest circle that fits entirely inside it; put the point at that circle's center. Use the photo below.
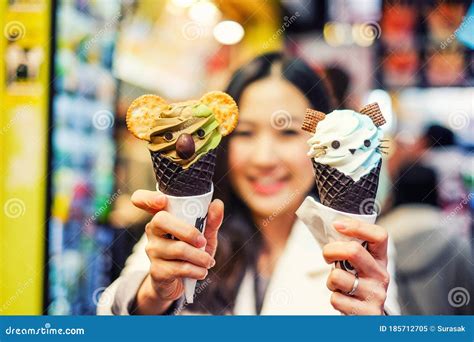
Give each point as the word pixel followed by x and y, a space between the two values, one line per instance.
pixel 345 149
pixel 342 193
pixel 173 180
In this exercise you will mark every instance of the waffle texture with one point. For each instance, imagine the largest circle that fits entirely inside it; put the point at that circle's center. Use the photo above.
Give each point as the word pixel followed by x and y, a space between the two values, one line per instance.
pixel 173 180
pixel 341 192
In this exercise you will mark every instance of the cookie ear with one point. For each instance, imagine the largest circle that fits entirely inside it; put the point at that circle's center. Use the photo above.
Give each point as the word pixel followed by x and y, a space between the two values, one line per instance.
pixel 311 119
pixel 143 114
pixel 373 111
pixel 224 109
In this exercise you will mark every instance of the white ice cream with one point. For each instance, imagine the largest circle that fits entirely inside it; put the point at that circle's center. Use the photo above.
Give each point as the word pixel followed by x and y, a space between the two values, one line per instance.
pixel 340 141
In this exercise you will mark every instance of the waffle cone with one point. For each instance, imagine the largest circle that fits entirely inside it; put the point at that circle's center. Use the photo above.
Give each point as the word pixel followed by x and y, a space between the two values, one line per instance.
pixel 173 180
pixel 341 192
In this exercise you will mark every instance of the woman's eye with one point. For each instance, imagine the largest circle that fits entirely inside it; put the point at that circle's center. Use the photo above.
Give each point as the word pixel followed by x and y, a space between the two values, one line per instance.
pixel 335 144
pixel 367 143
pixel 242 133
pixel 168 136
pixel 289 132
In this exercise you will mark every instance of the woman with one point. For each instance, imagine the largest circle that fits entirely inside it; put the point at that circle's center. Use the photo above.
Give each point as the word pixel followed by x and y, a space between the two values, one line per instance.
pixel 267 262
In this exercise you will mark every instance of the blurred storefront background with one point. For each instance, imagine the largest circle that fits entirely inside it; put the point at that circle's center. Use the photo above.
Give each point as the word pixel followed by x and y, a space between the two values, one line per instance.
pixel 70 68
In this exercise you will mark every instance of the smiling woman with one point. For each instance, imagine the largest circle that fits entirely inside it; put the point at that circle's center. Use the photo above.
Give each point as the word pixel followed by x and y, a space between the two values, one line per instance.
pixel 264 259
pixel 264 171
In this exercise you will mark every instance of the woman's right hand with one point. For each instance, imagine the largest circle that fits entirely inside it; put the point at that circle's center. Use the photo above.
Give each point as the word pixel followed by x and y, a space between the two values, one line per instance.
pixel 173 260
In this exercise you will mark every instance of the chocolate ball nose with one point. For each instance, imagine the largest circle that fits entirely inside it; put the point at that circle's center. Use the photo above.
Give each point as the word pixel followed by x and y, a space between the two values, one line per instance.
pixel 352 150
pixel 185 146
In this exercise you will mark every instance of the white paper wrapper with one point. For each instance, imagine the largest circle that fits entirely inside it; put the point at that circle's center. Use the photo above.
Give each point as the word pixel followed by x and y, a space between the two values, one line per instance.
pixel 319 218
pixel 192 210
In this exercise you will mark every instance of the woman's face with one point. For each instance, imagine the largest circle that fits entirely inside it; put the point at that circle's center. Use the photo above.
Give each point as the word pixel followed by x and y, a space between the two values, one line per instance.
pixel 269 167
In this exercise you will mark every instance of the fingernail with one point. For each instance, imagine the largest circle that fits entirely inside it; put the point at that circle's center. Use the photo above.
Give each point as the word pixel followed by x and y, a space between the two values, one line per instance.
pixel 201 241
pixel 213 263
pixel 339 225
pixel 159 200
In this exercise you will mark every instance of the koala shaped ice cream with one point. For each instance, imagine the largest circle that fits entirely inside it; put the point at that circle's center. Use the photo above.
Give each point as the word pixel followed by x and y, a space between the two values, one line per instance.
pixel 182 138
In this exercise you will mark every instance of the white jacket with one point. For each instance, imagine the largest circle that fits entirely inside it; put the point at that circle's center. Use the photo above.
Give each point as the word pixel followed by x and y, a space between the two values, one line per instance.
pixel 297 285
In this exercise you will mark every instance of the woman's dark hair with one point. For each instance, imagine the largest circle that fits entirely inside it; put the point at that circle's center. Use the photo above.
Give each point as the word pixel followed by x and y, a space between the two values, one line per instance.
pixel 416 184
pixel 239 237
pixel 437 136
pixel 340 82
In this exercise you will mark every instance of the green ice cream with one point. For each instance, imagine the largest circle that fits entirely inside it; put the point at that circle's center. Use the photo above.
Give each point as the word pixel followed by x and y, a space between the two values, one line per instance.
pixel 184 132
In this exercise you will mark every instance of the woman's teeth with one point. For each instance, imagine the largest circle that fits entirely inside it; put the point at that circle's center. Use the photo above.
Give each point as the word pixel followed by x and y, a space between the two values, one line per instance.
pixel 268 185
pixel 267 181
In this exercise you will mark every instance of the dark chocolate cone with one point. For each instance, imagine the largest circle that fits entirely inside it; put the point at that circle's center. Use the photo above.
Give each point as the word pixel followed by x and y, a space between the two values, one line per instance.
pixel 173 180
pixel 341 192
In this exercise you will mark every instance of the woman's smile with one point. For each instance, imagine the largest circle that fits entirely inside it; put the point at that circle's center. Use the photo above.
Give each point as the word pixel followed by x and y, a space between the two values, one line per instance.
pixel 268 185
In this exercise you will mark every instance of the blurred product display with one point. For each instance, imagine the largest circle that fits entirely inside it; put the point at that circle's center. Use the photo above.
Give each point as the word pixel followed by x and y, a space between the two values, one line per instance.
pixel 82 158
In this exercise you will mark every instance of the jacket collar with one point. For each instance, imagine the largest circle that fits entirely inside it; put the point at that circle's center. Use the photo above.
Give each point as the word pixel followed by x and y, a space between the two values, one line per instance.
pixel 300 264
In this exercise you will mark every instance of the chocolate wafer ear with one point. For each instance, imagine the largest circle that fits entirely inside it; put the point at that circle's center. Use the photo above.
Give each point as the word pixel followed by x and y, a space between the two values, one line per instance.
pixel 311 119
pixel 373 111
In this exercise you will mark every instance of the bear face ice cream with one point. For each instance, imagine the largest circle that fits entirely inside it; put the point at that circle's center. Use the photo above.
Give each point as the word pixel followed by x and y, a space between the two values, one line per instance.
pixel 348 141
pixel 346 149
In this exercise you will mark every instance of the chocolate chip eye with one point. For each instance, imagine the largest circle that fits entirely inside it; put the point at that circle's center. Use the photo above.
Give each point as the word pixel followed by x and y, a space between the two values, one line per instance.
pixel 335 144
pixel 201 133
pixel 168 136
pixel 367 143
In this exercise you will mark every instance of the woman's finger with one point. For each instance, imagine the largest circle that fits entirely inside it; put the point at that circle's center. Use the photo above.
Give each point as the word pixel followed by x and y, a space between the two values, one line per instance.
pixel 164 223
pixel 356 254
pixel 215 216
pixel 367 290
pixel 178 251
pixel 353 306
pixel 164 271
pixel 376 236
pixel 150 201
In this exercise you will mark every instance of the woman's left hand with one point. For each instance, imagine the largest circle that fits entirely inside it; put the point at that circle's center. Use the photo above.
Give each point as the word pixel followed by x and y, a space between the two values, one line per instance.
pixel 370 264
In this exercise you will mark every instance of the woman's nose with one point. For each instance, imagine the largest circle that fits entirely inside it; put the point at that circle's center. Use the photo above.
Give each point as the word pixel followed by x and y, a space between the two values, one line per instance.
pixel 264 152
